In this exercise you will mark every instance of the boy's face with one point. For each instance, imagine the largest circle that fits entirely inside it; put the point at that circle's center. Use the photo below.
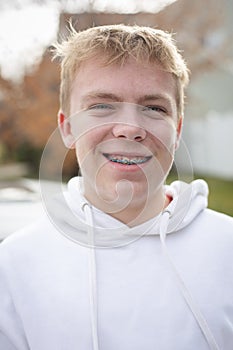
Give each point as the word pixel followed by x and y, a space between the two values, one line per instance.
pixel 124 127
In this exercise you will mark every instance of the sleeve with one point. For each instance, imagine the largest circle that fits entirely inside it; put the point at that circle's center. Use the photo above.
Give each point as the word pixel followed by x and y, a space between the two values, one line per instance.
pixel 12 335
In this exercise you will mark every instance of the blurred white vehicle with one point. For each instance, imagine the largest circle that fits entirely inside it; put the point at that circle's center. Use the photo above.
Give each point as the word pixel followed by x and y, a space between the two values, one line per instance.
pixel 21 203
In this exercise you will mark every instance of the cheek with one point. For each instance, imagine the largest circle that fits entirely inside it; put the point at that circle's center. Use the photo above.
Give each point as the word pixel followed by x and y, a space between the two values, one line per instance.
pixel 86 145
pixel 80 149
pixel 164 135
pixel 84 148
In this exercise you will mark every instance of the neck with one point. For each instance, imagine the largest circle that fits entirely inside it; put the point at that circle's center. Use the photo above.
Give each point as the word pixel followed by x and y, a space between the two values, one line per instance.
pixel 136 215
pixel 137 212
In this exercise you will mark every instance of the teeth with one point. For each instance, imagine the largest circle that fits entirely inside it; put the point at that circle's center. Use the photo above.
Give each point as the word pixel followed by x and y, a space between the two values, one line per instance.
pixel 126 160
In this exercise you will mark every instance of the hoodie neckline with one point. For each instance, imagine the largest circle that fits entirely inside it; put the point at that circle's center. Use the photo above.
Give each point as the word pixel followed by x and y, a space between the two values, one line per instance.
pixel 66 213
pixel 188 200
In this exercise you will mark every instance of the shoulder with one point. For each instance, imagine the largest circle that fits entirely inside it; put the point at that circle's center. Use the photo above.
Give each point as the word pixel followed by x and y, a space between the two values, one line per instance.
pixel 210 229
pixel 211 223
pixel 212 219
pixel 28 240
pixel 214 223
pixel 214 229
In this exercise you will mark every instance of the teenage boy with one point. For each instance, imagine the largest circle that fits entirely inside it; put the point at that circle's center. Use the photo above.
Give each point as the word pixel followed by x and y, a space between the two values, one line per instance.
pixel 121 261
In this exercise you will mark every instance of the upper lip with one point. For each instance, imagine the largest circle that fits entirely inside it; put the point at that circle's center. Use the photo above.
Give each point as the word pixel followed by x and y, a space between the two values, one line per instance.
pixel 126 154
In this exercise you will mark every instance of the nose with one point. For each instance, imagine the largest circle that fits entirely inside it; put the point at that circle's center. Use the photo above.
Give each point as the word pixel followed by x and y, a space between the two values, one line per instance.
pixel 129 131
pixel 128 123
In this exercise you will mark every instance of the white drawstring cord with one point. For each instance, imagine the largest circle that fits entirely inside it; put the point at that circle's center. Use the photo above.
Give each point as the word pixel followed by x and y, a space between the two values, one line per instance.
pixel 92 275
pixel 186 294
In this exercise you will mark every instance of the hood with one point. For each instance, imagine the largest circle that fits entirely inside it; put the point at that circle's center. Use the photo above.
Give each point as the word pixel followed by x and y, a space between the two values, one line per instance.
pixel 69 213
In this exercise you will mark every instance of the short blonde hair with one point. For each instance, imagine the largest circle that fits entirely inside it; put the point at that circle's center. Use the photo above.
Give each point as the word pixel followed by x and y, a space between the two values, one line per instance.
pixel 115 44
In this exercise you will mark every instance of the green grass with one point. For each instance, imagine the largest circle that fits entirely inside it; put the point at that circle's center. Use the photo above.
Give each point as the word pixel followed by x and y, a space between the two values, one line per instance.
pixel 220 193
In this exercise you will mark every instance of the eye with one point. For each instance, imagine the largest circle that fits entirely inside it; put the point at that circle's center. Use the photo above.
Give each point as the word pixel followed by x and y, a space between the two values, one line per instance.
pixel 100 110
pixel 101 106
pixel 155 109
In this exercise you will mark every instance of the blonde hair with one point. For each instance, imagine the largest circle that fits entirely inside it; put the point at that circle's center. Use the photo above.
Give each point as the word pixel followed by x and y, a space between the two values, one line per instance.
pixel 115 44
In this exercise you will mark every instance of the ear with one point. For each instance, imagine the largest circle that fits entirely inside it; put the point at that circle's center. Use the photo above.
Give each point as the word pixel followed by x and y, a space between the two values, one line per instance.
pixel 179 131
pixel 65 130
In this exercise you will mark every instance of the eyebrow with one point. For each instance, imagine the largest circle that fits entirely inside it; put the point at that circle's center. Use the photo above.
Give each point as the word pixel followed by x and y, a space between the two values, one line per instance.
pixel 104 95
pixel 112 97
pixel 155 97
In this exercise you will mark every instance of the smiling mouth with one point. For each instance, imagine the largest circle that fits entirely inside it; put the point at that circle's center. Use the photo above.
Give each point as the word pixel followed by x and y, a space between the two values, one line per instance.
pixel 126 160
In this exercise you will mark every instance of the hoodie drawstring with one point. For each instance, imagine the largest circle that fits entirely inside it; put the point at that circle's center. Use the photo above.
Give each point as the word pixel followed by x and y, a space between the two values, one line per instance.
pixel 186 294
pixel 92 275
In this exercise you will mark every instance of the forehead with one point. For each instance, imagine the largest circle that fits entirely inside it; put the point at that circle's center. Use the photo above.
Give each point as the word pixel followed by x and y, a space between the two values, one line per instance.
pixel 129 81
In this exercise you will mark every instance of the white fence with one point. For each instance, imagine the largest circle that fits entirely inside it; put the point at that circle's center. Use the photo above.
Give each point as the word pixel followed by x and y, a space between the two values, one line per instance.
pixel 210 144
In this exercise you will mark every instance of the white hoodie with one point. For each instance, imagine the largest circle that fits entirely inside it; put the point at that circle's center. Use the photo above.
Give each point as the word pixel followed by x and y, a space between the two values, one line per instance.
pixel 139 288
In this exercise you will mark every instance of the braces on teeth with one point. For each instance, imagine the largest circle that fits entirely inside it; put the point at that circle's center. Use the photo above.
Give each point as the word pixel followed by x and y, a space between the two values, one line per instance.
pixel 127 161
